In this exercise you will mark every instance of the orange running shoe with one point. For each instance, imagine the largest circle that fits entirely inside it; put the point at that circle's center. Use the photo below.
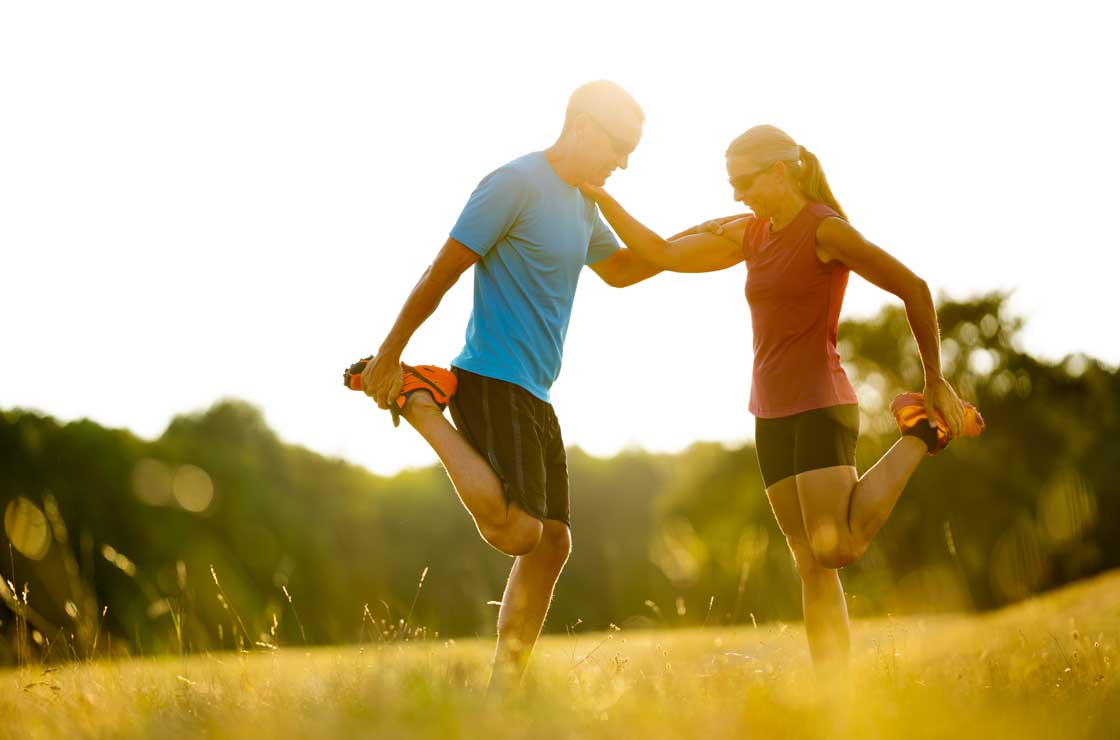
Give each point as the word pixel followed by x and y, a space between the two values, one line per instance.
pixel 352 376
pixel 439 383
pixel 910 410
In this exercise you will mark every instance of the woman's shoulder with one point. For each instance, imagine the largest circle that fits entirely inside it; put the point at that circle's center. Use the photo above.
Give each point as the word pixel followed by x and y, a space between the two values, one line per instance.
pixel 821 210
pixel 753 231
pixel 754 227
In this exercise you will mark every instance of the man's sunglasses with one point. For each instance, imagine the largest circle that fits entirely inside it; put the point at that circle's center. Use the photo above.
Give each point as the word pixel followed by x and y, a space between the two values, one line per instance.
pixel 621 147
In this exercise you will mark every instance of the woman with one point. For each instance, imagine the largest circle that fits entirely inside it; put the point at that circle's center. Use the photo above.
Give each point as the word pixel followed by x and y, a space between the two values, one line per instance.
pixel 799 248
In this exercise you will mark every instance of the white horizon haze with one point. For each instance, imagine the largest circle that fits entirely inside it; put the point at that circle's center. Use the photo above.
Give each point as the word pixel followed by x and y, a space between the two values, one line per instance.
pixel 233 199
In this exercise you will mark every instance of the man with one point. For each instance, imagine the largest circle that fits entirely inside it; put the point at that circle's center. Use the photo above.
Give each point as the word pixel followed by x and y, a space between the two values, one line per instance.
pixel 528 230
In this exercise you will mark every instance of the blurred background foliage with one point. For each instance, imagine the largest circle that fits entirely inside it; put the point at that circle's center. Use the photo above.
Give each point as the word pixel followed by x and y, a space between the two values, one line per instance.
pixel 219 535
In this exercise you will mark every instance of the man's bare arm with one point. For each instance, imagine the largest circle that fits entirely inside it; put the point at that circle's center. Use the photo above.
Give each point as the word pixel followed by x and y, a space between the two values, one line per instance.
pixel 382 377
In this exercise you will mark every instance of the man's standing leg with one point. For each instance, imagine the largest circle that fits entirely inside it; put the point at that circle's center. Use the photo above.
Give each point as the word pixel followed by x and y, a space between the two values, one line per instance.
pixel 528 592
pixel 538 471
pixel 525 603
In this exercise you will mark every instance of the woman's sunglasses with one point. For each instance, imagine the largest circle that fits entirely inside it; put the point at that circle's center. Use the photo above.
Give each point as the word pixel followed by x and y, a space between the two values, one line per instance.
pixel 743 183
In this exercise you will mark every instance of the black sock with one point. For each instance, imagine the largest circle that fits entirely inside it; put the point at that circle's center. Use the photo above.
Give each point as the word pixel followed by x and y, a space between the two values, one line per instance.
pixel 923 431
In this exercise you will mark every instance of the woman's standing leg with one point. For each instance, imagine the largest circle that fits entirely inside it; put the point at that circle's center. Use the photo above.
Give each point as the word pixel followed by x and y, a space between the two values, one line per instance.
pixel 822 596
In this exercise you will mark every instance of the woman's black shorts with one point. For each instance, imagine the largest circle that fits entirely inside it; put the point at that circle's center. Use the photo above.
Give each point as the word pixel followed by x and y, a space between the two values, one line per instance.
pixel 519 435
pixel 821 438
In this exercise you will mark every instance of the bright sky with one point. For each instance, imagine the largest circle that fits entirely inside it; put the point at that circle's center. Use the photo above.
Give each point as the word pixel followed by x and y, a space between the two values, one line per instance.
pixel 211 199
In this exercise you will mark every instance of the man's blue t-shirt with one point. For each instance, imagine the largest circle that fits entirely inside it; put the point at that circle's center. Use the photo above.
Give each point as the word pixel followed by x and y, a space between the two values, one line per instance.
pixel 534 233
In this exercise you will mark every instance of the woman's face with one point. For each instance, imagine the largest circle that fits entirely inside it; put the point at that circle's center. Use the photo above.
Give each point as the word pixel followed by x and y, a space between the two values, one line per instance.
pixel 753 184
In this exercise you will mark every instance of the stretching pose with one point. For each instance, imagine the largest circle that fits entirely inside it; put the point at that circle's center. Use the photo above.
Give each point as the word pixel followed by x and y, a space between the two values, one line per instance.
pixel 799 248
pixel 528 232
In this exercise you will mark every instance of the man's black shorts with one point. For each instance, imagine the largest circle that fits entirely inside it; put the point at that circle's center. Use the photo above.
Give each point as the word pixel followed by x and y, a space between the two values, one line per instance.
pixel 519 435
pixel 821 438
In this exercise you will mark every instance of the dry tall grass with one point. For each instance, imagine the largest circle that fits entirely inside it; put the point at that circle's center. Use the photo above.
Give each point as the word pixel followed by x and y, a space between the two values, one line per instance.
pixel 1042 669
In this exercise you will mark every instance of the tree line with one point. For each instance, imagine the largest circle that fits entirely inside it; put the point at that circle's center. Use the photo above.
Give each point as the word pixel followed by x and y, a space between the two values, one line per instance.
pixel 219 535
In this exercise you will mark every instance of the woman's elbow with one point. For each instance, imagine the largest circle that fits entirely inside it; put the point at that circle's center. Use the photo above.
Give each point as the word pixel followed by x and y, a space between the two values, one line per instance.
pixel 624 279
pixel 916 293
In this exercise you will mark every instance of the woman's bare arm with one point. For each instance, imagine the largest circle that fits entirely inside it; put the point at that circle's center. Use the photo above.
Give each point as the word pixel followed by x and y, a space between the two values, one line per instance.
pixel 690 251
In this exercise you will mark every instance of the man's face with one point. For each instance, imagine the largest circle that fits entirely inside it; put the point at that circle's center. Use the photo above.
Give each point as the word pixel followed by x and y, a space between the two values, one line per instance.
pixel 609 140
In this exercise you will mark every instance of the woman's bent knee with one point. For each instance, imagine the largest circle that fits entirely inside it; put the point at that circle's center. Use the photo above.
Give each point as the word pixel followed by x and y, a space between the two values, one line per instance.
pixel 837 556
pixel 813 562
pixel 804 561
pixel 833 547
pixel 834 559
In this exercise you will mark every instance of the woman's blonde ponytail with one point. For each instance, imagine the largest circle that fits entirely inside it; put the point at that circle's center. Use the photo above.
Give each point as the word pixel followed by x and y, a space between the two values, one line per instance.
pixel 814 185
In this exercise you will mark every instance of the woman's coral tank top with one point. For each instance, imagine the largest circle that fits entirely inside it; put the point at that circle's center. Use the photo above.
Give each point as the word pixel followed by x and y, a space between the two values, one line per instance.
pixel 795 307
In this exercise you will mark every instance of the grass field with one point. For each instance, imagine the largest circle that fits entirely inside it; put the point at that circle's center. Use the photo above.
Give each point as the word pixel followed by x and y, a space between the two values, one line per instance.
pixel 1041 669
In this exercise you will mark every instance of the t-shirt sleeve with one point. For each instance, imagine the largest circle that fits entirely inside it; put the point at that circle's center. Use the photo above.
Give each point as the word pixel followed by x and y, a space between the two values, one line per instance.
pixel 603 242
pixel 492 210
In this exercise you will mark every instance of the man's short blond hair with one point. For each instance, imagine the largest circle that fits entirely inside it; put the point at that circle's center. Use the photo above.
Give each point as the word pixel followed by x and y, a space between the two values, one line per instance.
pixel 601 99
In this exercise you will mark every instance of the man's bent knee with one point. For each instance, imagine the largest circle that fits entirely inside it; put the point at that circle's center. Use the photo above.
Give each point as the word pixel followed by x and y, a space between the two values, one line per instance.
pixel 555 545
pixel 519 537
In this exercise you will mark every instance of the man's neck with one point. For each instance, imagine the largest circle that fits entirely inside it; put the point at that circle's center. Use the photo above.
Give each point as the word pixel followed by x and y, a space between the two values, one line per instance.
pixel 560 159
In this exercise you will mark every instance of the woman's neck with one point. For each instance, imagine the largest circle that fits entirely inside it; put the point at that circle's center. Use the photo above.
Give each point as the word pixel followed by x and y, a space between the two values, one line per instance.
pixel 787 210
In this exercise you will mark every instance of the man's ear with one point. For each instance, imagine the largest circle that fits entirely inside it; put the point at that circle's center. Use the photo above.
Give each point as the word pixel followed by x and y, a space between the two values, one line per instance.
pixel 579 125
